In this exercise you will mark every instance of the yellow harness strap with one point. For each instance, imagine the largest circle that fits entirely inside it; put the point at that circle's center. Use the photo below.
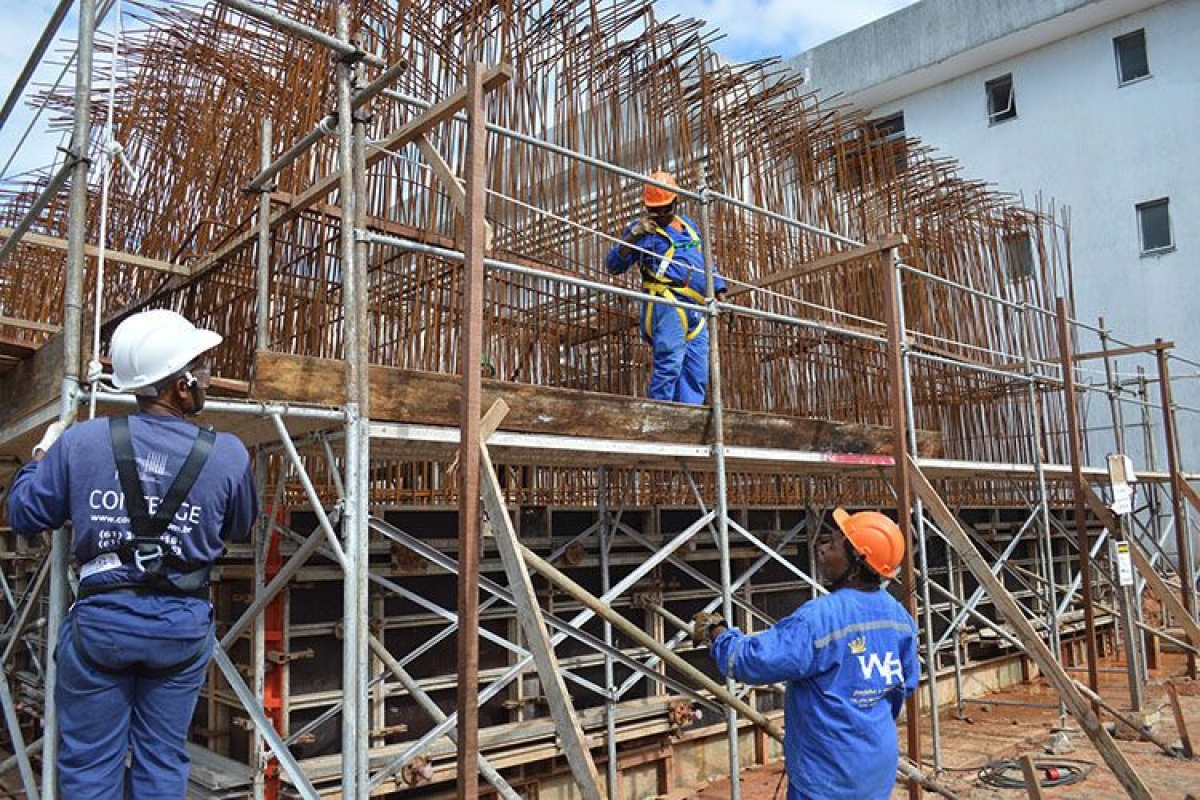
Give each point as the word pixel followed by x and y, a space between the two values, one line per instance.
pixel 656 283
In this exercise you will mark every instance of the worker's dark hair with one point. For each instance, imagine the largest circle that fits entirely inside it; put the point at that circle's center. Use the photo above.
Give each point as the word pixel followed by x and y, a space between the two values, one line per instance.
pixel 866 576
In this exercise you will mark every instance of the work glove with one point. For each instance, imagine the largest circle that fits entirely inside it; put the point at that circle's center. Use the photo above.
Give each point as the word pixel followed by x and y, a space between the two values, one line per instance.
pixel 701 620
pixel 643 227
pixel 49 437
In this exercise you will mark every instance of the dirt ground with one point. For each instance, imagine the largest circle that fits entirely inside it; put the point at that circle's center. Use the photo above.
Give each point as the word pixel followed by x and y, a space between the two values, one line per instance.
pixel 991 731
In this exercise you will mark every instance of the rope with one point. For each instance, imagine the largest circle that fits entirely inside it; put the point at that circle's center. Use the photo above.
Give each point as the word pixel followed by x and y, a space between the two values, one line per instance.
pixel 111 151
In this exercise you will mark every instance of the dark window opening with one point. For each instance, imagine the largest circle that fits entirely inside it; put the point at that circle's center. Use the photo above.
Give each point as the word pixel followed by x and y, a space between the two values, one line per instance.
pixel 1132 61
pixel 866 152
pixel 1018 256
pixel 1154 224
pixel 1001 98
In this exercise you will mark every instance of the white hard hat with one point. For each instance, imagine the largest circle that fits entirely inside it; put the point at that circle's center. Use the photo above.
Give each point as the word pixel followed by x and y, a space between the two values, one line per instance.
pixel 153 345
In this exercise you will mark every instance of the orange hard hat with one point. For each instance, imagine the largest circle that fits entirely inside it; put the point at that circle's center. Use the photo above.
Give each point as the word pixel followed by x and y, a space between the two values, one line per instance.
pixel 653 196
pixel 876 538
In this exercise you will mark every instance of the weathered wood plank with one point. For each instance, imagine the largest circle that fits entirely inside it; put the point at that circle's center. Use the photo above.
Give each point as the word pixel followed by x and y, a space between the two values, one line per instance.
pixel 433 399
pixel 537 636
pixel 92 251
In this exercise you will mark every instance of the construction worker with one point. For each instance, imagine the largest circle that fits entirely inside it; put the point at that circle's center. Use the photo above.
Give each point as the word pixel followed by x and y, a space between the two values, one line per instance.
pixel 152 500
pixel 849 660
pixel 667 249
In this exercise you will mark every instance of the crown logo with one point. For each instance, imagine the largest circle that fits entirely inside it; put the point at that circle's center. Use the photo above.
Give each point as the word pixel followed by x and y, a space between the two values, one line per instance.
pixel 858 646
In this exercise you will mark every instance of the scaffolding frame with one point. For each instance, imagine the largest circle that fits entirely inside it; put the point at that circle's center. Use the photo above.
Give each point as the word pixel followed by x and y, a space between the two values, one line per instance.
pixel 351 554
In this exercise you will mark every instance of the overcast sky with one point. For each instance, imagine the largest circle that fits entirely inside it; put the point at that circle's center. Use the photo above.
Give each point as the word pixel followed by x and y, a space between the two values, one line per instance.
pixel 752 28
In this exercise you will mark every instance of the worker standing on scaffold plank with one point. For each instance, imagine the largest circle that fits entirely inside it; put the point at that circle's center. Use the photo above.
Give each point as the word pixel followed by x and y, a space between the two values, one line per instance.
pixel 849 660
pixel 152 499
pixel 667 249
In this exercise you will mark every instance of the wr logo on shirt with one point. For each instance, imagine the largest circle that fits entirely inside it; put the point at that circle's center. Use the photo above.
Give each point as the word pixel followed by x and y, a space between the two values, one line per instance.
pixel 889 668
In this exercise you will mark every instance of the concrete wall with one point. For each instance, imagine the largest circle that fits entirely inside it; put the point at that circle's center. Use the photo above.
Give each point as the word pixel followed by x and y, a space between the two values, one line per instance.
pixel 1080 140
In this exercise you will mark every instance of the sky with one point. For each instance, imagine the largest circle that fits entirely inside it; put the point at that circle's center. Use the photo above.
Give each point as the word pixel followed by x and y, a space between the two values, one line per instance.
pixel 752 29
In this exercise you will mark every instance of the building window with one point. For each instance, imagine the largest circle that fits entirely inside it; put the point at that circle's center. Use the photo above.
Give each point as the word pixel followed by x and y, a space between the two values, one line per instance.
pixel 1132 62
pixel 887 134
pixel 1001 99
pixel 1154 224
pixel 1018 256
pixel 889 128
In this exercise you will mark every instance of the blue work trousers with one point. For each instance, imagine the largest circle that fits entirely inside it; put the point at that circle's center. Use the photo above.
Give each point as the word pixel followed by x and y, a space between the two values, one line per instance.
pixel 680 366
pixel 106 714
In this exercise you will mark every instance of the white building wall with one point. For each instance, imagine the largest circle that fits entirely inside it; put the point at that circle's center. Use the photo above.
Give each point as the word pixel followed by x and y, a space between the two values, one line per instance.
pixel 1083 141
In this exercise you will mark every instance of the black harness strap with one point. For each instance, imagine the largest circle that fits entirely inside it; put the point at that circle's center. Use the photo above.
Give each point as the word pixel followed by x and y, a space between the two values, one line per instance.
pixel 144 525
pixel 146 549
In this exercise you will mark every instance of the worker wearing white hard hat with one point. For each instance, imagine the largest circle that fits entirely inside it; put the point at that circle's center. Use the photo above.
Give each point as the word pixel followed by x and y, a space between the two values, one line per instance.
pixel 153 499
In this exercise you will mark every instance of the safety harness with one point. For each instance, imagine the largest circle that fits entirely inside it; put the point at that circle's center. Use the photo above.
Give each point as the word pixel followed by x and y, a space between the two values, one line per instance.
pixel 146 550
pixel 656 282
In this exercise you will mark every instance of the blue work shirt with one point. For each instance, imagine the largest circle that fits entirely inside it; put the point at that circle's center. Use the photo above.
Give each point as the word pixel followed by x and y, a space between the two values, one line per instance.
pixel 849 660
pixel 686 265
pixel 77 480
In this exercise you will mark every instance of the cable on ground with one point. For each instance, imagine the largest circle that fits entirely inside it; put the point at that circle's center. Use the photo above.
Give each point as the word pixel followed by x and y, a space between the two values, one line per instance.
pixel 1007 774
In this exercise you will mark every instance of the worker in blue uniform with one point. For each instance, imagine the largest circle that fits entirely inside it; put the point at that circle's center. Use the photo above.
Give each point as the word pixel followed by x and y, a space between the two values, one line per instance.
pixel 666 247
pixel 849 660
pixel 152 500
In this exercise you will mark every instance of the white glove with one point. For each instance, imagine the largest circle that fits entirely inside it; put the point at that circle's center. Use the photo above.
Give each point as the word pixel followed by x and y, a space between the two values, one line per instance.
pixel 49 437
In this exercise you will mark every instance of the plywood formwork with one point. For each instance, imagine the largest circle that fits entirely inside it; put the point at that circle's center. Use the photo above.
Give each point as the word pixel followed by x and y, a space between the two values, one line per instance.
pixel 807 411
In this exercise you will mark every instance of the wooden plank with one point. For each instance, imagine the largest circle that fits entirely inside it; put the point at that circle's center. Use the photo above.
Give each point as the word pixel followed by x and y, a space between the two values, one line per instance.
pixel 1156 582
pixel 1189 493
pixel 823 263
pixel 32 384
pixel 537 637
pixel 1033 784
pixel 453 186
pixel 1036 649
pixel 1118 352
pixel 92 251
pixel 433 399
pixel 1180 723
pixel 29 325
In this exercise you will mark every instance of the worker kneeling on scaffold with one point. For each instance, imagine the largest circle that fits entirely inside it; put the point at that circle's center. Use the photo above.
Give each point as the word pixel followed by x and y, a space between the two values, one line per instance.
pixel 849 660
pixel 152 499
pixel 667 249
